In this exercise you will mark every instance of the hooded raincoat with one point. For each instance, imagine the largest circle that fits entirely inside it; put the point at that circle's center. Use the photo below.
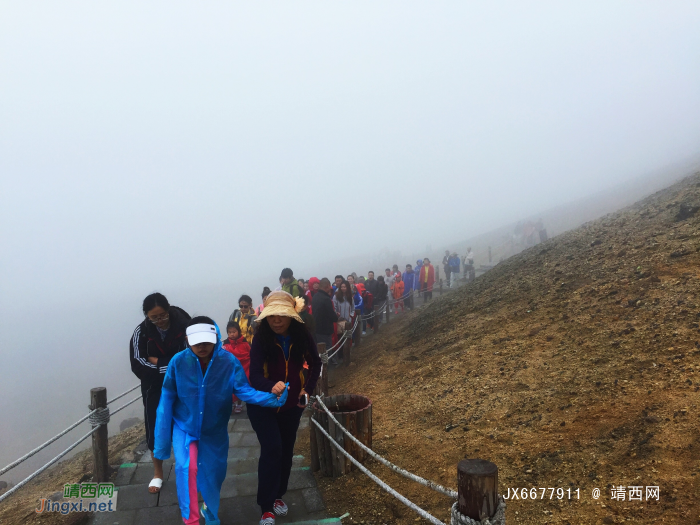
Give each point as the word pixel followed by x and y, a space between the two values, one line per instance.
pixel 419 266
pixel 195 407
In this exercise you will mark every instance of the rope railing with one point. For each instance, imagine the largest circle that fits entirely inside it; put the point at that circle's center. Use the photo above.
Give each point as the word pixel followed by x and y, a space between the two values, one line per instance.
pixel 413 477
pixel 91 414
pixel 422 513
pixel 344 337
pixel 102 419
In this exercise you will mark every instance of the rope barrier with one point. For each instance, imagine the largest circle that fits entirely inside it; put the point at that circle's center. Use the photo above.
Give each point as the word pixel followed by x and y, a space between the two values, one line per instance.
pixel 99 414
pixel 348 333
pixel 430 484
pixel 123 394
pixel 88 416
pixel 423 514
pixel 47 465
pixel 499 518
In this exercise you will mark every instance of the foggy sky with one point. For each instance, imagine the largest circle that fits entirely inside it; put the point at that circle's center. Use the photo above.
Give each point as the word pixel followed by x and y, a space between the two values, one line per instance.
pixel 175 145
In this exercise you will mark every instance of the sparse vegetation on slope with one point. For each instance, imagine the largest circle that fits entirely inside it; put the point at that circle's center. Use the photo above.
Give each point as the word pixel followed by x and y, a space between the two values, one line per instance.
pixel 573 364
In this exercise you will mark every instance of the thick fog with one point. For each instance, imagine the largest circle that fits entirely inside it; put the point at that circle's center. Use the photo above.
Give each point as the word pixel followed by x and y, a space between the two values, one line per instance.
pixel 198 148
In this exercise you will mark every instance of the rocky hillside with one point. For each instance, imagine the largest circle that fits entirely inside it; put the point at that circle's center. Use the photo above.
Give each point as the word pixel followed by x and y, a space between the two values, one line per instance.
pixel 573 364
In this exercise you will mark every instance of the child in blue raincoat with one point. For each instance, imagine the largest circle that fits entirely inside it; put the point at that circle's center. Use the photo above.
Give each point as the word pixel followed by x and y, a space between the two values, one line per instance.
pixel 194 409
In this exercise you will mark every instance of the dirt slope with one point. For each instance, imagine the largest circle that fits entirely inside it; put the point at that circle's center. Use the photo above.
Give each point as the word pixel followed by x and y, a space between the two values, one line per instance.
pixel 20 508
pixel 573 364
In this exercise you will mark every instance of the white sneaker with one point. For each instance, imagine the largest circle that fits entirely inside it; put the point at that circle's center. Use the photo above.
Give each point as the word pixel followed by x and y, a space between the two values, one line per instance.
pixel 267 519
pixel 280 507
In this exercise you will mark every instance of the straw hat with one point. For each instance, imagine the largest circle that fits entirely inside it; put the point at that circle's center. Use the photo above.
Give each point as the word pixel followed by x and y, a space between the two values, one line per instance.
pixel 282 303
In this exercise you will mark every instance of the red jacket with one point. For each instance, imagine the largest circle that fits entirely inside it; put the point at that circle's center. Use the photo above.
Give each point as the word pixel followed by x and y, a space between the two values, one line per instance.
pixel 241 350
pixel 431 277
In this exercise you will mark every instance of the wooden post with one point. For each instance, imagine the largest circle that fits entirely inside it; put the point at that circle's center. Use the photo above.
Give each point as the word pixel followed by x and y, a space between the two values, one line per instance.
pixel 359 328
pixel 347 345
pixel 389 306
pixel 355 414
pixel 441 287
pixel 477 487
pixel 315 461
pixel 377 314
pixel 322 383
pixel 100 450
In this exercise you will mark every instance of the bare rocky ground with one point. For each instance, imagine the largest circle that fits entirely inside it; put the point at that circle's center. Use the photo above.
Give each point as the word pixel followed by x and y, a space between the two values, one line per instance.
pixel 20 507
pixel 573 364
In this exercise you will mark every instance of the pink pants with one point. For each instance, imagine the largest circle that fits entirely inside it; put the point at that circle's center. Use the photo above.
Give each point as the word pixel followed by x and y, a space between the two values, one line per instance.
pixel 192 482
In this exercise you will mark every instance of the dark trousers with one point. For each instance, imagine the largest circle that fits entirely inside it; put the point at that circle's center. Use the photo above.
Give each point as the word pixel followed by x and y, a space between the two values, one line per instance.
pixel 277 432
pixel 427 296
pixel 358 332
pixel 151 398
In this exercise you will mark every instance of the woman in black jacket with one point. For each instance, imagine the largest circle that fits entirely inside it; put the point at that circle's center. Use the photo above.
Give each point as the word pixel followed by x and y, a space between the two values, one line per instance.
pixel 155 341
pixel 280 348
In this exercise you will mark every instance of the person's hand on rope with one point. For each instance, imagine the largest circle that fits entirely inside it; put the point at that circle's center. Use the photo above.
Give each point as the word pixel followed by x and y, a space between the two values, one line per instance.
pixel 302 393
pixel 278 388
pixel 153 360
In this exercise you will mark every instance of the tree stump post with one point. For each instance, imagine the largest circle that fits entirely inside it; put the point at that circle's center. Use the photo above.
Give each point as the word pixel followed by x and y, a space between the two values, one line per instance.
pixel 354 413
pixel 100 450
pixel 477 487
pixel 387 310
pixel 377 314
pixel 358 333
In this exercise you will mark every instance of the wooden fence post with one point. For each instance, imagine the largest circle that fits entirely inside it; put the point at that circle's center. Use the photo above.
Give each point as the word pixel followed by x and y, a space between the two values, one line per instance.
pixel 358 333
pixel 377 315
pixel 477 488
pixel 346 351
pixel 100 450
pixel 354 413
pixel 322 384
pixel 389 306
pixel 440 287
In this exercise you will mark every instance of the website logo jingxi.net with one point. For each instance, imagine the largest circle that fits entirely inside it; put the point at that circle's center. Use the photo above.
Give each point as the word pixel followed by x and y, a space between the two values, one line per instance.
pixel 82 497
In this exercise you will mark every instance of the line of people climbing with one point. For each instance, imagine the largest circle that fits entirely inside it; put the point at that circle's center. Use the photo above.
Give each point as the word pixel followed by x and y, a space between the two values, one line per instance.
pixel 192 379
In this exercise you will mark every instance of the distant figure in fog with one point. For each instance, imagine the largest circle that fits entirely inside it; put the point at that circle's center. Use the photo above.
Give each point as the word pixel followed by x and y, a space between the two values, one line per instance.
pixel 426 278
pixel 154 343
pixel 260 308
pixel 454 269
pixel 397 292
pixel 446 267
pixel 409 282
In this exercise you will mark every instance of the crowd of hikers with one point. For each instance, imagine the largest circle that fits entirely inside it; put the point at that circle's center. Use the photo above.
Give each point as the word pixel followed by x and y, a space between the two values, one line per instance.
pixel 192 378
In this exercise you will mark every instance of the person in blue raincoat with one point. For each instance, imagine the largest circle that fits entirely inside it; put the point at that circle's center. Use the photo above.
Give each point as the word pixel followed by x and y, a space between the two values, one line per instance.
pixel 194 409
pixel 416 270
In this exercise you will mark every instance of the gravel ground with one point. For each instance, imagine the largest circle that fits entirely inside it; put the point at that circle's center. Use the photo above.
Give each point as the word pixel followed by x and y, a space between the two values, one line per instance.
pixel 572 365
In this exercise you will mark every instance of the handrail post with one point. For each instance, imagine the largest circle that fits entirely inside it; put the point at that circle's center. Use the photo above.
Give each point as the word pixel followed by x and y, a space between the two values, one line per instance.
pixel 100 450
pixel 377 314
pixel 477 489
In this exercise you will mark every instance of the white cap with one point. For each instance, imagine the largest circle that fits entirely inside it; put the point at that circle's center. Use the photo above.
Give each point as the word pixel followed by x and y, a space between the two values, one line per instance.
pixel 201 333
